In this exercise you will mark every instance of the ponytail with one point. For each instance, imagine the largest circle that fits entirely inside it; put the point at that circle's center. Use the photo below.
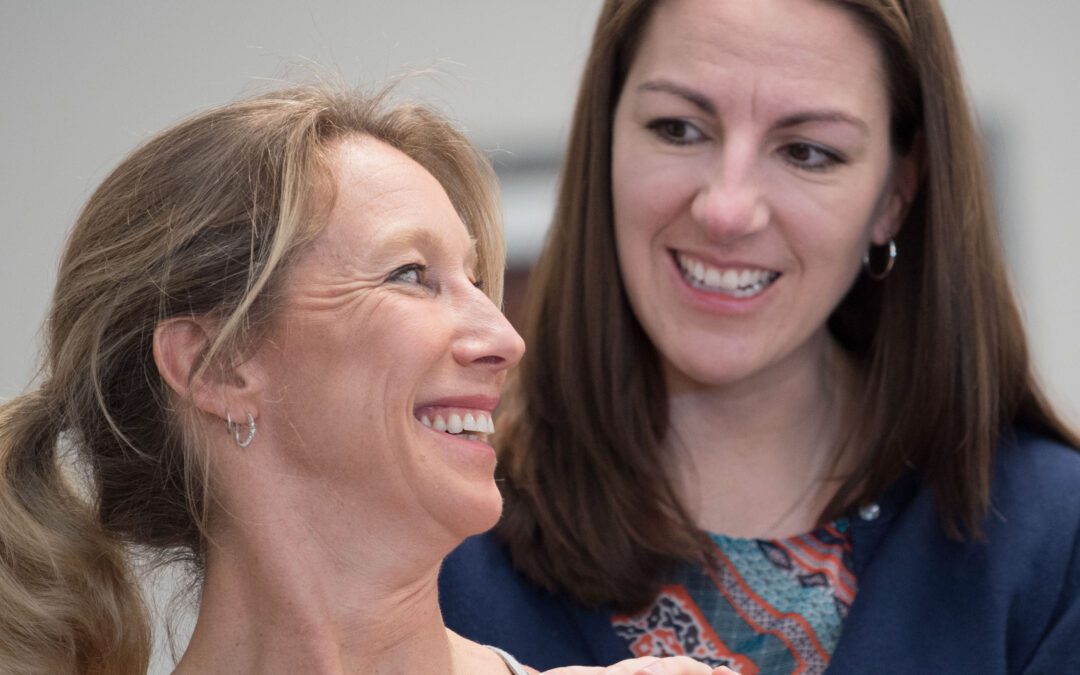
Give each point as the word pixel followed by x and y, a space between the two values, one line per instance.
pixel 68 601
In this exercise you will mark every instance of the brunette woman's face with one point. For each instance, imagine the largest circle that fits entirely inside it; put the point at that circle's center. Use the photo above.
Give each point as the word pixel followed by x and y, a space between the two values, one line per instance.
pixel 388 358
pixel 751 169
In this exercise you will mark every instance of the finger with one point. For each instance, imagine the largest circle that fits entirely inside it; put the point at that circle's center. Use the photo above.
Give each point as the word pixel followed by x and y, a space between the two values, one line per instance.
pixel 724 670
pixel 575 670
pixel 676 665
pixel 631 666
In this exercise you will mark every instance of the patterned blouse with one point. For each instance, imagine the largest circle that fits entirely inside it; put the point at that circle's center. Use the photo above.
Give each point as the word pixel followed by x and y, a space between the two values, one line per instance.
pixel 770 606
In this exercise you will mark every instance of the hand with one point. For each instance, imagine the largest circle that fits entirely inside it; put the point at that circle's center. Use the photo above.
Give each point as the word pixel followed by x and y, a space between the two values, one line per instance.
pixel 646 665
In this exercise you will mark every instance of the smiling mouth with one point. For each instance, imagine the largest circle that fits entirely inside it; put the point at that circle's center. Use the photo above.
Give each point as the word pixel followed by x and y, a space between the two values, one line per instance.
pixel 467 423
pixel 737 283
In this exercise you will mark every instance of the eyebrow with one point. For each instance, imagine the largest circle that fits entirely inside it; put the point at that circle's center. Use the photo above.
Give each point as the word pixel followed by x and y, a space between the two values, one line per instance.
pixel 411 238
pixel 702 102
pixel 825 117
pixel 391 245
pixel 696 98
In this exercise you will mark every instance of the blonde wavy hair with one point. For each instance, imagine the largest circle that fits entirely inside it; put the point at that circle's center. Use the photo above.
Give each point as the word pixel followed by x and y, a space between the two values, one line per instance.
pixel 202 220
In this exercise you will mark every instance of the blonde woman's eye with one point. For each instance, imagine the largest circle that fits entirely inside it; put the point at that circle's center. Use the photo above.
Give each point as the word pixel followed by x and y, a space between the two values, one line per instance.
pixel 413 273
pixel 675 131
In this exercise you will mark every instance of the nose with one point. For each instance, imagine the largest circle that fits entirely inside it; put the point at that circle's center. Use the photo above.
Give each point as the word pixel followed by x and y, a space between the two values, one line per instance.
pixel 487 339
pixel 730 203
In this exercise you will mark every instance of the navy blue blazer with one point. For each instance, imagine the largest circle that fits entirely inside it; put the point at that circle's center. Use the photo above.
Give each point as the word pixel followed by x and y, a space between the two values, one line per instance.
pixel 1009 603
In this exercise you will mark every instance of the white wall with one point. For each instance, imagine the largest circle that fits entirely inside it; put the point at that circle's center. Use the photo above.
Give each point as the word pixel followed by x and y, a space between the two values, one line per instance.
pixel 83 82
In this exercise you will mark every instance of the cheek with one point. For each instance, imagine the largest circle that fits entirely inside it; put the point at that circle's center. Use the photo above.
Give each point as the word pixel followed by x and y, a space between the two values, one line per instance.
pixel 645 209
pixel 330 375
pixel 831 225
pixel 650 191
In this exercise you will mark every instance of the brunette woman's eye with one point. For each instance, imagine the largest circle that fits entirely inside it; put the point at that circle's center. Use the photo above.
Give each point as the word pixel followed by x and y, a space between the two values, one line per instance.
pixel 810 156
pixel 676 131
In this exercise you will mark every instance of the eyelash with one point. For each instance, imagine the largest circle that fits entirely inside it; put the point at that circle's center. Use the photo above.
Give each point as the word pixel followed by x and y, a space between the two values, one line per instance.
pixel 664 126
pixel 399 274
pixel 829 159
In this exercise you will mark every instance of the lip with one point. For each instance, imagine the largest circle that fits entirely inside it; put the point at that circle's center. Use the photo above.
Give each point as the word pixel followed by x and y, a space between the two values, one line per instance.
pixel 476 450
pixel 716 262
pixel 484 446
pixel 474 401
pixel 719 303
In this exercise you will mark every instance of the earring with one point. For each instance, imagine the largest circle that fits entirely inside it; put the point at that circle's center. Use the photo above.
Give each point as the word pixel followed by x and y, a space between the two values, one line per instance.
pixel 889 262
pixel 234 429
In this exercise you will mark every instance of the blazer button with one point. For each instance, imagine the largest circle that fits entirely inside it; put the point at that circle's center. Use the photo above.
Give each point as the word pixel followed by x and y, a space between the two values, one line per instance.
pixel 869 512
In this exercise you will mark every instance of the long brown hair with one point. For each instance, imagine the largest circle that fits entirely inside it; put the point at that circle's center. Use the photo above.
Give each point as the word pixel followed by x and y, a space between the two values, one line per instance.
pixel 203 220
pixel 590 508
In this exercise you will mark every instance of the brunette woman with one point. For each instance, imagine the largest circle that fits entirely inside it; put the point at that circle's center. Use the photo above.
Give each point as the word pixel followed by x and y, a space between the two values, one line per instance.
pixel 778 411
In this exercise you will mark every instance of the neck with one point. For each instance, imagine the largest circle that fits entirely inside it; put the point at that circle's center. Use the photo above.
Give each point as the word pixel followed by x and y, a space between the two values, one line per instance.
pixel 290 591
pixel 761 458
pixel 279 614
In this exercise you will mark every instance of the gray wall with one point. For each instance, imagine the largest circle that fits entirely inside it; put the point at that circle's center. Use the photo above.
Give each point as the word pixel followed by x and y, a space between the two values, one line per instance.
pixel 84 82
pixel 1022 60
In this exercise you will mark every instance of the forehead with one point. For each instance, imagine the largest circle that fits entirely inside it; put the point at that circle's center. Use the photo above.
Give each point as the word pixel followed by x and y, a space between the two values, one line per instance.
pixel 774 46
pixel 382 197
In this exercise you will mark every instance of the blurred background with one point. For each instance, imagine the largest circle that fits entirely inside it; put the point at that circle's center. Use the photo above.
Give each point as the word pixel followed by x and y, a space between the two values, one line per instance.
pixel 84 82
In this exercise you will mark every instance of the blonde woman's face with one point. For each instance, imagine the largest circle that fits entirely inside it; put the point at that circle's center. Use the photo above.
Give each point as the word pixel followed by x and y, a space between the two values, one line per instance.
pixel 384 336
pixel 751 169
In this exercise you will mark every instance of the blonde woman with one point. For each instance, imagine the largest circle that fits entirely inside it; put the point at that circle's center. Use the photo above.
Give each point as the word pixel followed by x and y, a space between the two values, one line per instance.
pixel 275 348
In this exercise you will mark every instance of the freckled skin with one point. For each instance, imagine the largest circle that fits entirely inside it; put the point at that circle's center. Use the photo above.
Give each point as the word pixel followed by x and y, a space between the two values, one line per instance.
pixel 363 338
pixel 751 135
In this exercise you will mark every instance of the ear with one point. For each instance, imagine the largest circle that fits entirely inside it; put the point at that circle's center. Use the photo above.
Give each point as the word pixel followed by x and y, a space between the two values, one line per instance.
pixel 217 388
pixel 903 186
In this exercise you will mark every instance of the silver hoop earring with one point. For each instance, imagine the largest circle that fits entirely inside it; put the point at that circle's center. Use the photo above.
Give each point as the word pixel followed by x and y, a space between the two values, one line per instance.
pixel 889 262
pixel 234 429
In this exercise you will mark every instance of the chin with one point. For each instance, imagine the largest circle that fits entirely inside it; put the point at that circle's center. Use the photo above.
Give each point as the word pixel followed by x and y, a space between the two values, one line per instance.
pixel 489 515
pixel 474 514
pixel 694 372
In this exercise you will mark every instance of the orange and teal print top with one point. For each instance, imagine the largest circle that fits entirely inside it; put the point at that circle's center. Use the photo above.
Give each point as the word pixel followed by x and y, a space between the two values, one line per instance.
pixel 771 606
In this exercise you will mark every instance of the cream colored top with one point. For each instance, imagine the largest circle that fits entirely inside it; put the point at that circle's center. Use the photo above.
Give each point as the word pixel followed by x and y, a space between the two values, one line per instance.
pixel 511 663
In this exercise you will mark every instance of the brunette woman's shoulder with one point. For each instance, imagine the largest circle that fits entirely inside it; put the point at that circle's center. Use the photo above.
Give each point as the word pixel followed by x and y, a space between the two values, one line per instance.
pixel 1036 497
pixel 1036 470
pixel 1010 596
pixel 484 598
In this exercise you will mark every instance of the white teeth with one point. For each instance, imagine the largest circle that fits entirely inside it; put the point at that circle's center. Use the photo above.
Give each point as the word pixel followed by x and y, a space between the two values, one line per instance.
pixel 469 424
pixel 478 423
pixel 453 425
pixel 740 283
